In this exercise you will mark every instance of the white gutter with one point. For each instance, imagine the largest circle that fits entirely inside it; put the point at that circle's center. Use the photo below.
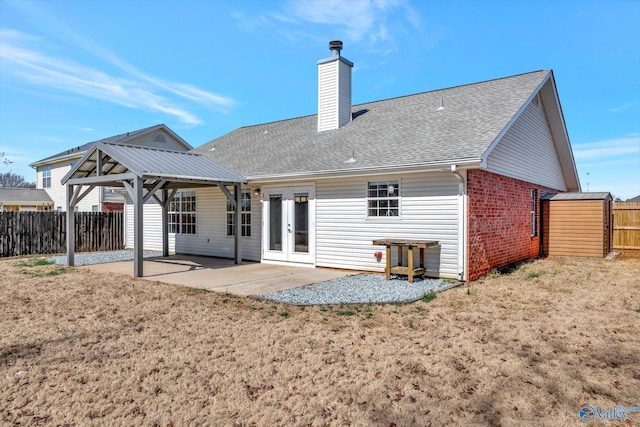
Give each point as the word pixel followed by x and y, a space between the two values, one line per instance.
pixel 462 238
pixel 376 170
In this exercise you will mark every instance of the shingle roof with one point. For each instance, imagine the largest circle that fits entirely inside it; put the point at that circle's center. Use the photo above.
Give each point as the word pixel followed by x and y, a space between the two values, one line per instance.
pixel 26 195
pixel 397 132
pixel 80 150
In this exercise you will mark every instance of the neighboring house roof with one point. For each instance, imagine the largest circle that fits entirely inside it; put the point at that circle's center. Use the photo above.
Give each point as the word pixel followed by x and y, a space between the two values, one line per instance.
pixel 634 200
pixel 578 196
pixel 401 133
pixel 187 168
pixel 120 139
pixel 24 196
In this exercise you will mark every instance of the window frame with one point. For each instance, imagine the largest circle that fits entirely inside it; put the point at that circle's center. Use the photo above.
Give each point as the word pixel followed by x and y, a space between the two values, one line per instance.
pixel 183 215
pixel 534 212
pixel 245 213
pixel 46 177
pixel 377 198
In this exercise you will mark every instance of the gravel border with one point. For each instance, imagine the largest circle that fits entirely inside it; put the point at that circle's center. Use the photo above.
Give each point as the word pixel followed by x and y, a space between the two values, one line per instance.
pixel 89 258
pixel 360 289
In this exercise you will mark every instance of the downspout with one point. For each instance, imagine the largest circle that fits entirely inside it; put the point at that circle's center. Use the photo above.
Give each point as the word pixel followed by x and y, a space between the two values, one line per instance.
pixel 461 220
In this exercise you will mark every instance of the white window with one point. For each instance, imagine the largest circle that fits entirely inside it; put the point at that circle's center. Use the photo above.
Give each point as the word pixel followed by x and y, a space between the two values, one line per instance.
pixel 534 212
pixel 94 208
pixel 182 213
pixel 245 212
pixel 59 209
pixel 46 177
pixel 383 198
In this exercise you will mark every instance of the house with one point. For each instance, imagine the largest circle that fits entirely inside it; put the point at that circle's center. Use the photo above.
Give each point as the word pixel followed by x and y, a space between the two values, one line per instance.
pixel 24 199
pixel 465 166
pixel 50 170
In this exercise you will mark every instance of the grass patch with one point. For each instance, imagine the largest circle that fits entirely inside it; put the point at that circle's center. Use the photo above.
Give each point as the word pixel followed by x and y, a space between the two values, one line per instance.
pixel 429 297
pixel 495 273
pixel 285 314
pixel 411 325
pixel 638 310
pixel 35 262
pixel 38 267
pixel 533 275
pixel 346 313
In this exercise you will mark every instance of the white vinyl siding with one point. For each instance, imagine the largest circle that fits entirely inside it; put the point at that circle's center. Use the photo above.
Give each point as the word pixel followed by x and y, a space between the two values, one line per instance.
pixel 211 238
pixel 344 234
pixel 334 94
pixel 152 227
pixel 527 151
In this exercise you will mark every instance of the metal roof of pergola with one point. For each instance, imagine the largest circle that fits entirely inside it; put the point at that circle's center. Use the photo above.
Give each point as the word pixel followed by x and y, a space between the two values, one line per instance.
pixel 147 173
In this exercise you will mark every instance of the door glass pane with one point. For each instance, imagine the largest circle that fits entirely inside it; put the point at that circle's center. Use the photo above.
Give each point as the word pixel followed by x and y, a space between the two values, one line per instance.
pixel 301 222
pixel 275 222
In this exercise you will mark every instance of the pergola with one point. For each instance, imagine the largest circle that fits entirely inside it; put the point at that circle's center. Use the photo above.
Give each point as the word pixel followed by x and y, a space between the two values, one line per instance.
pixel 147 173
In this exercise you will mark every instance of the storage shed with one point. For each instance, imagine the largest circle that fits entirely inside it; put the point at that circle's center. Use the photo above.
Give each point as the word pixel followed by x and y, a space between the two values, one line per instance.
pixel 577 224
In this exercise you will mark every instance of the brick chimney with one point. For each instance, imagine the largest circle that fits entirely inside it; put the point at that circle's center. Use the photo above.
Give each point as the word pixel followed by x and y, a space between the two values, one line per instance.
pixel 334 89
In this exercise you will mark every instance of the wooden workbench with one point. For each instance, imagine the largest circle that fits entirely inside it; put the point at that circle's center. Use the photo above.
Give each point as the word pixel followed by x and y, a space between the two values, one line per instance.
pixel 410 245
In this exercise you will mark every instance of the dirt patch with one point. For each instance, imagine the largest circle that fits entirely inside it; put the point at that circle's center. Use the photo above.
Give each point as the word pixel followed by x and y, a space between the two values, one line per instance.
pixel 530 347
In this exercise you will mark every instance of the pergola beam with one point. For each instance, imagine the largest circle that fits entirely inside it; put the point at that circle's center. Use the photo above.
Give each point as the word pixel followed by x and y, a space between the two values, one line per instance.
pixel 103 179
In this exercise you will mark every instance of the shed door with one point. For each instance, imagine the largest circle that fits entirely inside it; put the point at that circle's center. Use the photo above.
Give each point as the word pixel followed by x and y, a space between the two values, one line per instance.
pixel 607 226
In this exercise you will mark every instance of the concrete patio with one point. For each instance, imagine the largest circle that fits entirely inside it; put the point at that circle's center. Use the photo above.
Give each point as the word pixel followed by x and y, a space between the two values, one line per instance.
pixel 222 275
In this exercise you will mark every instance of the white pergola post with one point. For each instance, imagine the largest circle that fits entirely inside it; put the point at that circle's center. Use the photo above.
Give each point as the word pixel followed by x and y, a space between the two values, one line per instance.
pixel 71 227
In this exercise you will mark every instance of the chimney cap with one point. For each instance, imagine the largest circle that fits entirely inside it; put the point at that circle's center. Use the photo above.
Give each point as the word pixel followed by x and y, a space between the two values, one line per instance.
pixel 335 45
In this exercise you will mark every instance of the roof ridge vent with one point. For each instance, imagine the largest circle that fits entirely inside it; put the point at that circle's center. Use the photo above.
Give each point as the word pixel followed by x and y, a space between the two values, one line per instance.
pixel 441 107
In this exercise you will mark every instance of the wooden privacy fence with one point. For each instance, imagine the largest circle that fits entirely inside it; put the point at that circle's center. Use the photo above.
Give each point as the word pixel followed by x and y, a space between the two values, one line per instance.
pixel 27 233
pixel 626 226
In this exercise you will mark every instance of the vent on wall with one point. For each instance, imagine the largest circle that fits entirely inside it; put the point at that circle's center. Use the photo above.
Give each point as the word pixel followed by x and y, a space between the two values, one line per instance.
pixel 158 137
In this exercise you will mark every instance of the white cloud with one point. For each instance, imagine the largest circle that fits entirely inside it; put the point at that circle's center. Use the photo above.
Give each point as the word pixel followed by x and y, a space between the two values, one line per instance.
pixel 26 63
pixel 608 148
pixel 373 23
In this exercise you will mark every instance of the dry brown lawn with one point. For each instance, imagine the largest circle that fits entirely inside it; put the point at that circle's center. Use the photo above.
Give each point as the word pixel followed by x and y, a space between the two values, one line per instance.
pixel 524 348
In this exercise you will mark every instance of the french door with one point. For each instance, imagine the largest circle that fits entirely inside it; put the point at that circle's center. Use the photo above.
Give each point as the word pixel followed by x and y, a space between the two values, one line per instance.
pixel 289 224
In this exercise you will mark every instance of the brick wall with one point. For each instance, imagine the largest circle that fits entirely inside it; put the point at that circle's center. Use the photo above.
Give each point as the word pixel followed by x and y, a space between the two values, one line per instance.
pixel 499 221
pixel 112 207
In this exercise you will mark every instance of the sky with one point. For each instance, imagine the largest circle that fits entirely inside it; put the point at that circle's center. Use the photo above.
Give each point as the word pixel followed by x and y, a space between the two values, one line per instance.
pixel 76 71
